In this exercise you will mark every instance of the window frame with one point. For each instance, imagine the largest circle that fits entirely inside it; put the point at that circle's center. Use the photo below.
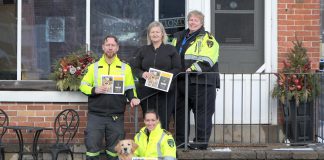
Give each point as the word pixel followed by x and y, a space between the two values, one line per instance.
pixel 10 90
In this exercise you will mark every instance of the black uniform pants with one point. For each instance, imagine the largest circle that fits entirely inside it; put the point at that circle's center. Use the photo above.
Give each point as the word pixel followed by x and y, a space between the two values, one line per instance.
pixel 201 100
pixel 163 104
pixel 111 128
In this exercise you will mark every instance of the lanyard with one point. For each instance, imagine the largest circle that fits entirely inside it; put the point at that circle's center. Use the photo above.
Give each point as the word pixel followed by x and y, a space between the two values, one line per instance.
pixel 184 41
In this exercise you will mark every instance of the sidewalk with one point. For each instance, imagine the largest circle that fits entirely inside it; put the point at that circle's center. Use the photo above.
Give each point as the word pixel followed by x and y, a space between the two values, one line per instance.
pixel 270 152
pixel 311 151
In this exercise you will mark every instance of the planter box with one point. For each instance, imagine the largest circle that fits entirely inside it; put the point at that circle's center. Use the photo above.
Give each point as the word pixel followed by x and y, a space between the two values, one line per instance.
pixel 299 123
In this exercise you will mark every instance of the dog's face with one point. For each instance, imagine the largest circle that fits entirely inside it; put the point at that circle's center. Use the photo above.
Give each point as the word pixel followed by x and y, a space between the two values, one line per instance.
pixel 125 148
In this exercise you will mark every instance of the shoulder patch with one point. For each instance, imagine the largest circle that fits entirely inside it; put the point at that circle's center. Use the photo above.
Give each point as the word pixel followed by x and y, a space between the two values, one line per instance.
pixel 171 143
pixel 210 43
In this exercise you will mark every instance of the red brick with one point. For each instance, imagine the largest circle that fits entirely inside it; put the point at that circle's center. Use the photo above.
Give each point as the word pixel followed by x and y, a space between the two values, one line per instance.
pixel 36 119
pixel 303 22
pixel 317 28
pixel 53 107
pixel 293 17
pixel 303 11
pixel 286 22
pixel 17 107
pixel 43 124
pixel 312 6
pixel 25 123
pixel 18 119
pixel 70 107
pixel 44 113
pixel 35 107
pixel 294 28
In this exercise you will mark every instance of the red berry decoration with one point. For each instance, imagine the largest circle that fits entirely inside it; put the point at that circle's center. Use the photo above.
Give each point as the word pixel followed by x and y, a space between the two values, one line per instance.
pixel 296 81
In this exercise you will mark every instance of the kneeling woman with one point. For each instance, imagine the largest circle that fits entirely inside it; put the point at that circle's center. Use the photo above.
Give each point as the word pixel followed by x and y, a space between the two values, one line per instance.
pixel 153 141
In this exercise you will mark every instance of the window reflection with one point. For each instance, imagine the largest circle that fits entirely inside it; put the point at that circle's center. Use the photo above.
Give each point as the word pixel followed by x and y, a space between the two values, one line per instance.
pixel 8 40
pixel 126 19
pixel 239 28
pixel 172 15
pixel 50 30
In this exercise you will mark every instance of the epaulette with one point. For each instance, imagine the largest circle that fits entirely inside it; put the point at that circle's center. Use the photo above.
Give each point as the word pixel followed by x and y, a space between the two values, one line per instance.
pixel 124 61
pixel 210 36
pixel 167 132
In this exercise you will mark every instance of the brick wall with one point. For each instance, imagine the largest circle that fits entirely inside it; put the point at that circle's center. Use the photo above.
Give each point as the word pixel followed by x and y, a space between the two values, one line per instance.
pixel 43 115
pixel 299 18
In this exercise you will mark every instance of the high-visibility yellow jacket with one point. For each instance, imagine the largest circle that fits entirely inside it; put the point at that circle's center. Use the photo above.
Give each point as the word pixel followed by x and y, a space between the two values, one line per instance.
pixel 200 52
pixel 159 143
pixel 107 104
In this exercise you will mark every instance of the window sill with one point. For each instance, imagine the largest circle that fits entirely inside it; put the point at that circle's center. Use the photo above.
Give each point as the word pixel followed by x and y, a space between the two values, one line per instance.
pixel 36 91
pixel 42 96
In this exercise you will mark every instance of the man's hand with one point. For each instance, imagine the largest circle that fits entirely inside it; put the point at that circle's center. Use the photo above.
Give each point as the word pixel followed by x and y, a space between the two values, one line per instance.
pixel 134 102
pixel 101 89
pixel 188 70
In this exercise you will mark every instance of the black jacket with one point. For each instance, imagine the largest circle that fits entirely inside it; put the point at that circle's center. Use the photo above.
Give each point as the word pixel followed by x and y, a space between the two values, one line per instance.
pixel 165 58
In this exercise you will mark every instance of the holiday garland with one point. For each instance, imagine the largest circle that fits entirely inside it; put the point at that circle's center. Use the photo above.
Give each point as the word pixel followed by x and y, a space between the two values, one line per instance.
pixel 296 81
pixel 69 70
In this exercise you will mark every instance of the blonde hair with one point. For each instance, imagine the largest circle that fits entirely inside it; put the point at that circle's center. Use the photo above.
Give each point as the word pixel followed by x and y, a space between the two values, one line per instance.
pixel 156 24
pixel 197 14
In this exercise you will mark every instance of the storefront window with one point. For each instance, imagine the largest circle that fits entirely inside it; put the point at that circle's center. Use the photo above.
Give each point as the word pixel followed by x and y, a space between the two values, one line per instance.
pixel 8 40
pixel 50 30
pixel 125 19
pixel 172 15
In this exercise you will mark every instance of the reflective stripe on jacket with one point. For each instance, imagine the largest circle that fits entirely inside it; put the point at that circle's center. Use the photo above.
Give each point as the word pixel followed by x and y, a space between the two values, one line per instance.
pixel 204 50
pixel 107 104
pixel 199 52
pixel 159 143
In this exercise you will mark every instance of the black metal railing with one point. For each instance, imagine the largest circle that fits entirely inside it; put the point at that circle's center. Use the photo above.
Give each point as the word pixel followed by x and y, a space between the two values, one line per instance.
pixel 246 113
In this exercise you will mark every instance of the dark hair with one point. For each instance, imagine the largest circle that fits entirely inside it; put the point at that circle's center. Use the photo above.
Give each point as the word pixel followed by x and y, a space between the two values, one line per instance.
pixel 111 36
pixel 153 112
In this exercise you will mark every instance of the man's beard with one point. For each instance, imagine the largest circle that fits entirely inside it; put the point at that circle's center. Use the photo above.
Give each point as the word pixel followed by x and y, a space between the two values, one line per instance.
pixel 110 55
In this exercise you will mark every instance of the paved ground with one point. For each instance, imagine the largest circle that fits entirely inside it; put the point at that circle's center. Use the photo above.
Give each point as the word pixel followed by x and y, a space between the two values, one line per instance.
pixel 271 152
pixel 312 151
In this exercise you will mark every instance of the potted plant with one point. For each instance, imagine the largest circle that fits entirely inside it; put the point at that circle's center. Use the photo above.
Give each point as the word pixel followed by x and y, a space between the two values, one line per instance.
pixel 296 89
pixel 69 70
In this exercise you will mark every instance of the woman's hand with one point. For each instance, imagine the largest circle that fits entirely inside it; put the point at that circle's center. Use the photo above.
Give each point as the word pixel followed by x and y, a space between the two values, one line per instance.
pixel 147 75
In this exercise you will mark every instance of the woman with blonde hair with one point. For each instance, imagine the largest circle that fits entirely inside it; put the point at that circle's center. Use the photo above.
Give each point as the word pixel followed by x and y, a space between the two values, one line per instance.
pixel 158 55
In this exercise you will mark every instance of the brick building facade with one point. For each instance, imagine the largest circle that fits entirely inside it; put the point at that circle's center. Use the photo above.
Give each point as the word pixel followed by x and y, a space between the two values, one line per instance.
pixel 295 18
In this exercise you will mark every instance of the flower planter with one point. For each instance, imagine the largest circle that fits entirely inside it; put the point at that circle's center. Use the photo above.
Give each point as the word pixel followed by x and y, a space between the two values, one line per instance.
pixel 299 123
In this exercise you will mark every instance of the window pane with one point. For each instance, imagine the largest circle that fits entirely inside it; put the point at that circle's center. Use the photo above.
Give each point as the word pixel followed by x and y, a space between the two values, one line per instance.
pixel 172 15
pixel 126 19
pixel 50 30
pixel 8 40
pixel 239 28
pixel 234 5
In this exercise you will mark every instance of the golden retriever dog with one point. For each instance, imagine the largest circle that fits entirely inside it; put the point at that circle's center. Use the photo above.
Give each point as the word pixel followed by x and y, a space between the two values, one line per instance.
pixel 125 149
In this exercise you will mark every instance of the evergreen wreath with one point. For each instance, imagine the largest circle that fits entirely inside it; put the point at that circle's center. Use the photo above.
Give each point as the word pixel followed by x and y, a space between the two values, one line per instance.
pixel 69 70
